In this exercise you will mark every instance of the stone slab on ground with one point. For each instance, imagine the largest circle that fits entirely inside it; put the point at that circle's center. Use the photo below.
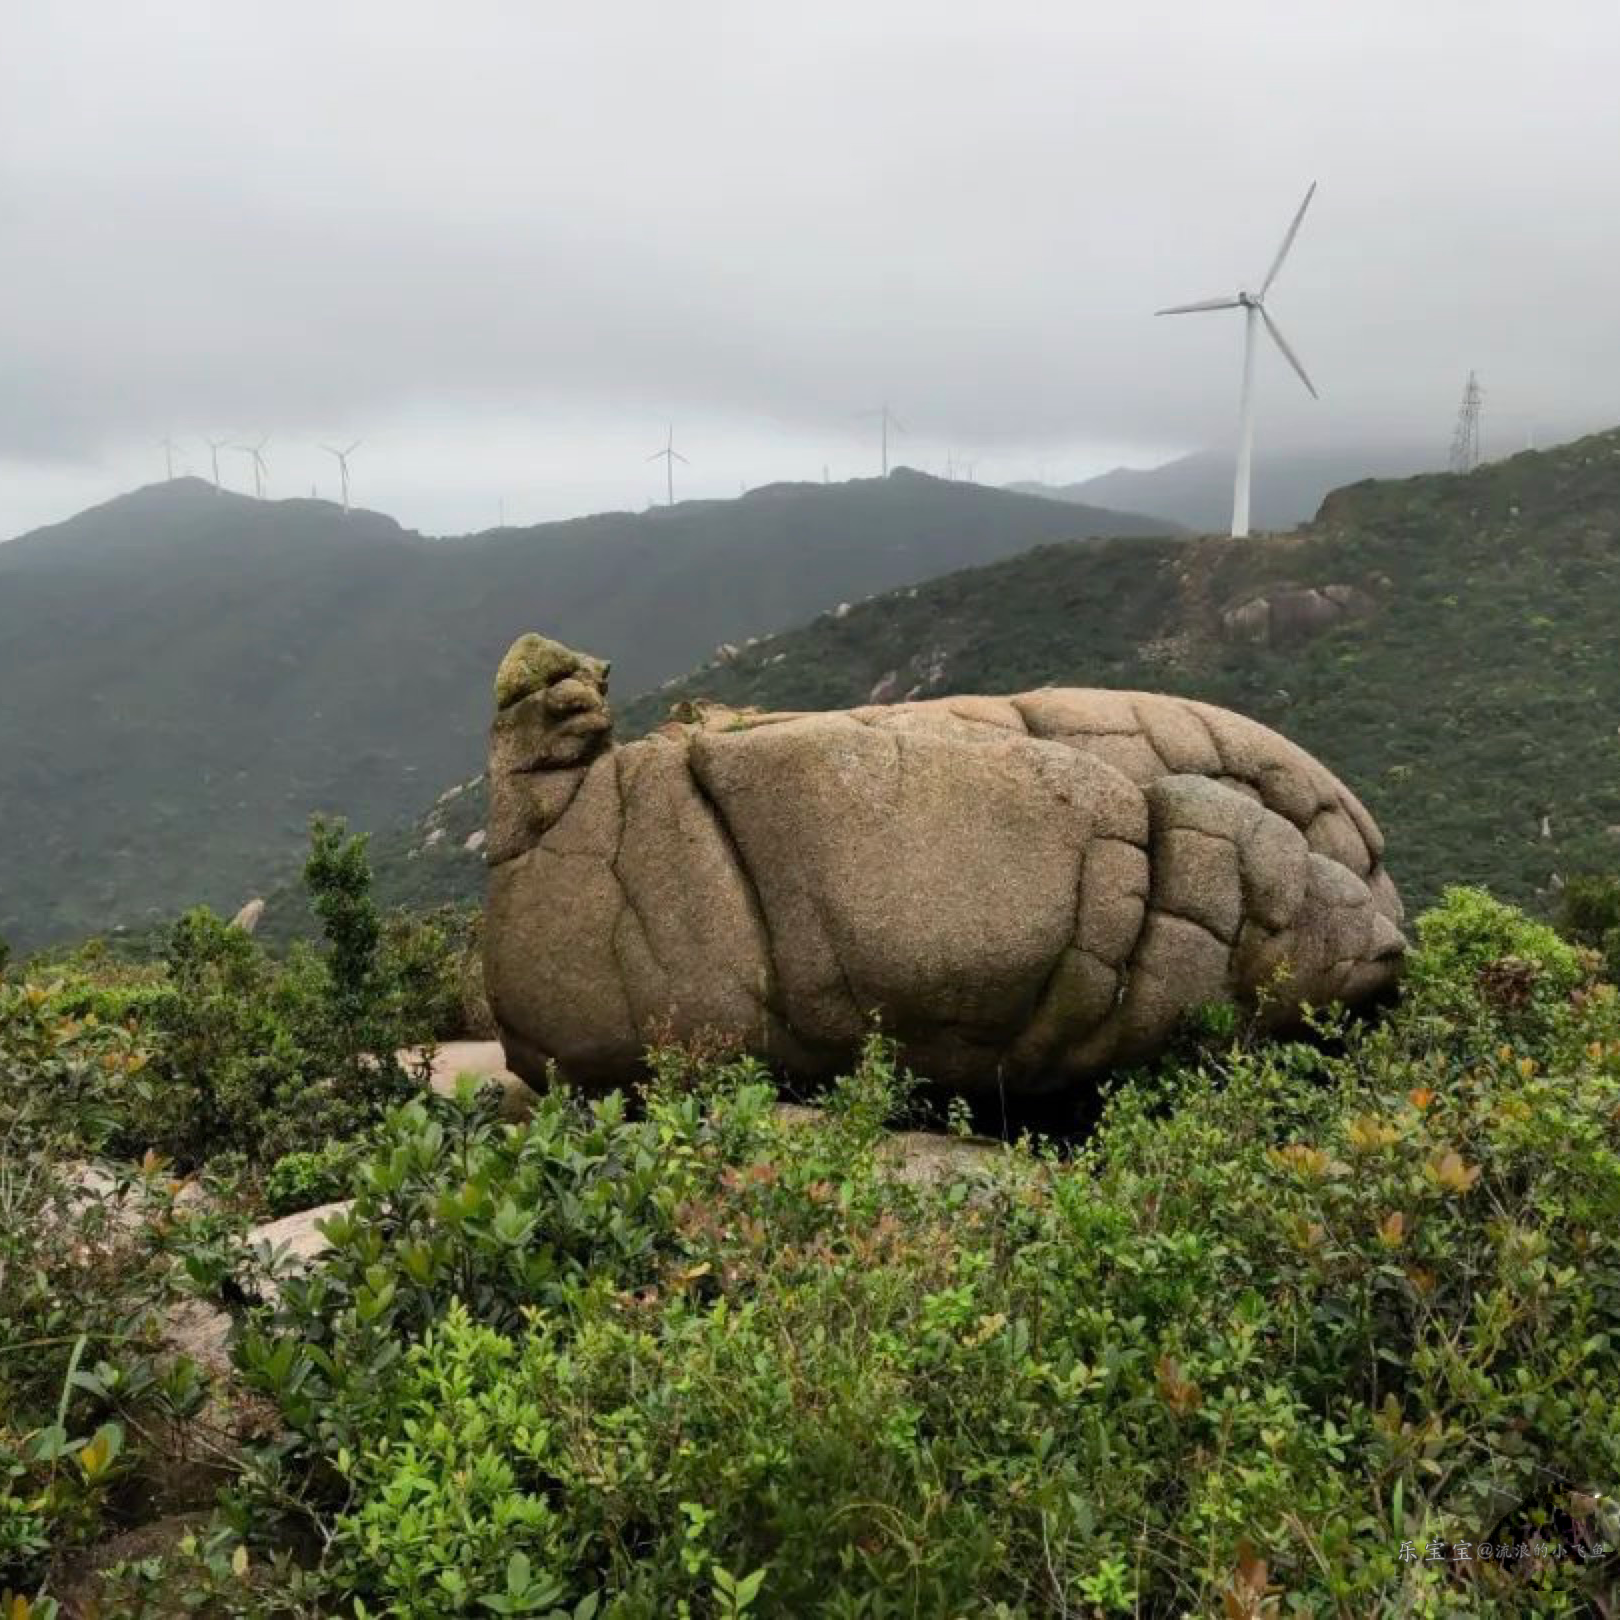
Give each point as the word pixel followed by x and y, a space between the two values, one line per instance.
pixel 483 1058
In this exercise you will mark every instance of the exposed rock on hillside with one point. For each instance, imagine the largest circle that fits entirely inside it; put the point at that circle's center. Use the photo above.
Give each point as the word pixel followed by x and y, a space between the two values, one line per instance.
pixel 1290 614
pixel 1027 890
pixel 247 919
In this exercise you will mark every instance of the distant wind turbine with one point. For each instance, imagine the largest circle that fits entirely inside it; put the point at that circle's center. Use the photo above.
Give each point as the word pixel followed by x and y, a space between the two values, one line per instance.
pixel 343 466
pixel 889 420
pixel 260 471
pixel 168 447
pixel 214 448
pixel 669 455
pixel 1254 310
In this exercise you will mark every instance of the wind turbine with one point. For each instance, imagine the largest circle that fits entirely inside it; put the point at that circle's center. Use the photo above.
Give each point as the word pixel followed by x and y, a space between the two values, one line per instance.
pixel 1255 313
pixel 669 455
pixel 343 466
pixel 214 448
pixel 889 420
pixel 168 447
pixel 260 471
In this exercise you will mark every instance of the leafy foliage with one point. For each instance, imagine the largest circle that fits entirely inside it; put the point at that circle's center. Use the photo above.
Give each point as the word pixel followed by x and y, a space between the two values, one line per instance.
pixel 1293 1316
pixel 87 1266
pixel 113 1075
pixel 1589 911
pixel 1289 1310
pixel 308 1177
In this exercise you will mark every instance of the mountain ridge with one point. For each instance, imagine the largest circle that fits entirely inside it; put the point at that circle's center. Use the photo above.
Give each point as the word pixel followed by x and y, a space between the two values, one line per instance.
pixel 1195 491
pixel 190 673
pixel 1444 643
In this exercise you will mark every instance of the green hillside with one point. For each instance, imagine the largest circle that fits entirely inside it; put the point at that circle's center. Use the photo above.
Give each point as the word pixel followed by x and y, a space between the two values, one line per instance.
pixel 1474 702
pixel 187 674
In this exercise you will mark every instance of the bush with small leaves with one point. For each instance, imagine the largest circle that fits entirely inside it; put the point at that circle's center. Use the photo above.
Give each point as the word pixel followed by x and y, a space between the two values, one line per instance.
pixel 1589 913
pixel 1482 966
pixel 89 1263
pixel 1285 1317
pixel 1294 1316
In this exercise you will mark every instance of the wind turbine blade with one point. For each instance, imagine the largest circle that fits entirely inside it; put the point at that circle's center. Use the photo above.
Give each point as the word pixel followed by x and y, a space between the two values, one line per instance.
pixel 1203 304
pixel 1287 242
pixel 1288 354
pixel 896 423
pixel 353 447
pixel 680 458
pixel 658 455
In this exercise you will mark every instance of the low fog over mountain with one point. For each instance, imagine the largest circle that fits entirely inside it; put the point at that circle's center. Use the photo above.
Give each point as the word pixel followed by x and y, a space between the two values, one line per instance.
pixel 506 257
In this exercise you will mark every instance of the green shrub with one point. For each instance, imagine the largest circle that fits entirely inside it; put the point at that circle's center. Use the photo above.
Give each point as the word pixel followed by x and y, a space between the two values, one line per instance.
pixel 87 1263
pixel 218 1053
pixel 1284 1314
pixel 231 1070
pixel 262 1058
pixel 313 1176
pixel 358 997
pixel 1480 965
pixel 1589 912
pixel 1279 1318
pixel 427 956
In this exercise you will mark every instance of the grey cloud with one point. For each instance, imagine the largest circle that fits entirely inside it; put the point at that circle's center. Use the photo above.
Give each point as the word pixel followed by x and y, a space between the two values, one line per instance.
pixel 310 215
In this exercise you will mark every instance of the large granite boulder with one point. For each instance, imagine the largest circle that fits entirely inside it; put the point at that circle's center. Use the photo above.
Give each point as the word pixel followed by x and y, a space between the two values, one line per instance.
pixel 1027 890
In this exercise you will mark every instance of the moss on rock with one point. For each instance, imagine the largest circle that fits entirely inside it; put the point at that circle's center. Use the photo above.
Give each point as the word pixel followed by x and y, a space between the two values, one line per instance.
pixel 534 662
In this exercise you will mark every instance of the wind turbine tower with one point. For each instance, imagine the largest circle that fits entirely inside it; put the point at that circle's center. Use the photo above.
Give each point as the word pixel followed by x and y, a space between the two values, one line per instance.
pixel 669 455
pixel 214 448
pixel 168 447
pixel 1465 440
pixel 343 466
pixel 889 420
pixel 260 471
pixel 1255 315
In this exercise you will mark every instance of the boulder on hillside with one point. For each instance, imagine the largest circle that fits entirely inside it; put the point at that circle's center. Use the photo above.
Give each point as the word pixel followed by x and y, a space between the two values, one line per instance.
pixel 1026 890
pixel 247 919
pixel 1290 614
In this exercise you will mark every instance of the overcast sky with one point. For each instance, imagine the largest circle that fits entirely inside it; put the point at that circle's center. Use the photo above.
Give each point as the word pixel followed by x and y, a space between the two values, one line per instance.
pixel 506 244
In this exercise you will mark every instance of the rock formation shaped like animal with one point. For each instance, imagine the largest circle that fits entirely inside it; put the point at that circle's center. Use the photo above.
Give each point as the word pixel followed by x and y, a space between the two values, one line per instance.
pixel 1026 890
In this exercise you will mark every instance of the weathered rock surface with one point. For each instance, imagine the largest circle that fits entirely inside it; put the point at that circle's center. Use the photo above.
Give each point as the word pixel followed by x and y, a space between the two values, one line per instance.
pixel 1027 890
pixel 486 1061
pixel 247 919
pixel 1289 614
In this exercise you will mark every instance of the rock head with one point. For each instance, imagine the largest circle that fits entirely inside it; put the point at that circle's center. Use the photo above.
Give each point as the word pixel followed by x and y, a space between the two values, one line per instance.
pixel 1027 891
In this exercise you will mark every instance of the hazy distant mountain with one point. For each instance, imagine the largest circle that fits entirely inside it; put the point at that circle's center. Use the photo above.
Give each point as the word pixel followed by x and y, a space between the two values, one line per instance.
pixel 187 674
pixel 1470 698
pixel 1195 491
